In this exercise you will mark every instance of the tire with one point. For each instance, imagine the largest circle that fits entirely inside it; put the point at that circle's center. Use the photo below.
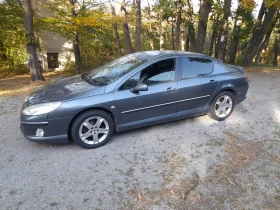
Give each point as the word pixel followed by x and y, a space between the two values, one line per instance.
pixel 222 106
pixel 92 129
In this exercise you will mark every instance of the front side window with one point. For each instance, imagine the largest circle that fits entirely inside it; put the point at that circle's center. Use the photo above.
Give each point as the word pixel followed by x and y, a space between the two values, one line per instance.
pixel 160 72
pixel 157 73
pixel 194 67
pixel 131 82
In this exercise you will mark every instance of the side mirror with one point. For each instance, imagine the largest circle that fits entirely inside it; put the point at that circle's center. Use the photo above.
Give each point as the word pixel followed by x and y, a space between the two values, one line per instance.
pixel 139 87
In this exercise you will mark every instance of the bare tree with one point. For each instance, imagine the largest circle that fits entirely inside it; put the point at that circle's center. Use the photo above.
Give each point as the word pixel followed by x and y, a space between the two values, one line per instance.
pixel 222 43
pixel 115 28
pixel 31 42
pixel 235 39
pixel 265 42
pixel 215 19
pixel 127 38
pixel 138 26
pixel 178 24
pixel 190 43
pixel 204 11
pixel 276 49
pixel 261 29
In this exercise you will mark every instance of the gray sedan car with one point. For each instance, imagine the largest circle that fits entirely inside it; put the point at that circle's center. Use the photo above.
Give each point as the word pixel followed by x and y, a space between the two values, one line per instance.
pixel 136 90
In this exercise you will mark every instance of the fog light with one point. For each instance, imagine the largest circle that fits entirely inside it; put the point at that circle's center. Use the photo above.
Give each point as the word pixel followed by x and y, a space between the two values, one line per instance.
pixel 40 132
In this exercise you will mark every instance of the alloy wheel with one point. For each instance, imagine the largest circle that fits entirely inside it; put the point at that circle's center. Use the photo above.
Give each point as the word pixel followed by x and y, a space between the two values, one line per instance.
pixel 94 130
pixel 223 106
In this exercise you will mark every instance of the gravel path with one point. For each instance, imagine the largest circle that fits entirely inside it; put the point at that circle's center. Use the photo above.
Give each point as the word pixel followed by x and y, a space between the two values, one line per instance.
pixel 189 164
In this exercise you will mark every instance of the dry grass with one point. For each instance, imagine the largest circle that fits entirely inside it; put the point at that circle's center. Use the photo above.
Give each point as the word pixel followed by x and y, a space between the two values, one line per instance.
pixel 21 84
pixel 175 191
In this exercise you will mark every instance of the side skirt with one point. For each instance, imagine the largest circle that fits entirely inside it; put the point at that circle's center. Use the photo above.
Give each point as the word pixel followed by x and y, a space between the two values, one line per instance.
pixel 163 119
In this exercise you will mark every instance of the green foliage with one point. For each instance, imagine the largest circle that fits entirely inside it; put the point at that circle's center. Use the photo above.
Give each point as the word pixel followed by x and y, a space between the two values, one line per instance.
pixel 272 3
pixel 90 21
pixel 12 37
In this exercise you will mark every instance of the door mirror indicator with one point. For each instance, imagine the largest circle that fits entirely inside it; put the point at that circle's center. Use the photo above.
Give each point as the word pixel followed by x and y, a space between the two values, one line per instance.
pixel 139 87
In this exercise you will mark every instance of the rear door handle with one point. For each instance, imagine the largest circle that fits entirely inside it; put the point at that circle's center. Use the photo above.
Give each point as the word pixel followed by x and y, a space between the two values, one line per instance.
pixel 170 89
pixel 212 81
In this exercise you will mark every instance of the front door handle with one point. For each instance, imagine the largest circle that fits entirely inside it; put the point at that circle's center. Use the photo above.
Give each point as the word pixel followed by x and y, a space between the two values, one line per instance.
pixel 170 89
pixel 212 81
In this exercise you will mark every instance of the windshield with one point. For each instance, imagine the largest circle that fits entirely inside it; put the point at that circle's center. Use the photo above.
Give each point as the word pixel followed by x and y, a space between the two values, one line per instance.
pixel 112 71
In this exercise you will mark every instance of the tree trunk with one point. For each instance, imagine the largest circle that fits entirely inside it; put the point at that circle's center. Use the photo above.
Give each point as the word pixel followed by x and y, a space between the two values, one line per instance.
pixel 76 42
pixel 234 42
pixel 138 26
pixel 33 62
pixel 115 28
pixel 258 35
pixel 182 42
pixel 266 40
pixel 127 38
pixel 188 41
pixel 216 46
pixel 191 31
pixel 161 38
pixel 224 31
pixel 3 55
pixel 172 35
pixel 202 24
pixel 263 47
pixel 276 50
pixel 77 53
pixel 178 25
pixel 213 36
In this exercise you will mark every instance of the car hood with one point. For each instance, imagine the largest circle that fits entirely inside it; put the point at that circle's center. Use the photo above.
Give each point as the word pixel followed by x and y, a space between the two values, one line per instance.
pixel 64 89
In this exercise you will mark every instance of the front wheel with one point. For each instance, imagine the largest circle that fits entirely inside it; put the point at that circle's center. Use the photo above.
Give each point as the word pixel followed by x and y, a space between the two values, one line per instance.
pixel 222 106
pixel 92 129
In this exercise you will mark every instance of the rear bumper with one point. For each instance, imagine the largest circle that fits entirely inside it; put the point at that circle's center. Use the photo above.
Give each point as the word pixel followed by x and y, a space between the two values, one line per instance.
pixel 55 131
pixel 242 92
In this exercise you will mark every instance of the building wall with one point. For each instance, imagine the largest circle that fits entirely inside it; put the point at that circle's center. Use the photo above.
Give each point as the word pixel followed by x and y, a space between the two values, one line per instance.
pixel 51 42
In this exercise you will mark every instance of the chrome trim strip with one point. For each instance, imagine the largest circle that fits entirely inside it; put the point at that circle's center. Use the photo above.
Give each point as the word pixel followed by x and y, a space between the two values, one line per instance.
pixel 133 110
pixel 189 99
pixel 148 107
pixel 35 123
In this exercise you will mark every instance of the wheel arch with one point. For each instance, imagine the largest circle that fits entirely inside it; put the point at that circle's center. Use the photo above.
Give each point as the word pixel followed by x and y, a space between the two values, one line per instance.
pixel 89 109
pixel 228 89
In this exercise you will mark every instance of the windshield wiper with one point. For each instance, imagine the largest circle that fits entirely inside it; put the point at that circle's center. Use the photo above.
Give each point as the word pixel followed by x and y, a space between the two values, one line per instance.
pixel 86 78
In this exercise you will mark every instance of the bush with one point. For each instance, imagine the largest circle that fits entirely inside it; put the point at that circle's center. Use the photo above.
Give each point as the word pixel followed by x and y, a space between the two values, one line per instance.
pixel 6 69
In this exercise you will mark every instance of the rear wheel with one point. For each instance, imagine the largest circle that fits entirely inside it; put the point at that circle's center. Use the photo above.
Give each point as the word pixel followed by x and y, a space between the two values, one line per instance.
pixel 222 106
pixel 92 129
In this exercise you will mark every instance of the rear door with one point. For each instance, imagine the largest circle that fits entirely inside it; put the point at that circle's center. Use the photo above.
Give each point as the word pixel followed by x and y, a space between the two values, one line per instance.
pixel 196 84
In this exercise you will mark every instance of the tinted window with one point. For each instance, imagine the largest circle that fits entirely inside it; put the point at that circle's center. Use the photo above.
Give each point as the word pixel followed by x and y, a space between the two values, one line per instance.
pixel 131 82
pixel 160 72
pixel 194 67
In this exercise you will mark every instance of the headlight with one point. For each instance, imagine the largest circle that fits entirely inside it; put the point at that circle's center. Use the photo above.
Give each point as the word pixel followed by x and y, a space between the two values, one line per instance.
pixel 39 109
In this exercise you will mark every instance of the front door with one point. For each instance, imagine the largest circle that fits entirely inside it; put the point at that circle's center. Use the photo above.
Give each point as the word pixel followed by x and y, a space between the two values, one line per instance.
pixel 158 102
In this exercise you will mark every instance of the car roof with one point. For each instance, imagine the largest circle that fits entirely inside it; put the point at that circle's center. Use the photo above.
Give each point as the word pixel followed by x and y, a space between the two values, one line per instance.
pixel 149 55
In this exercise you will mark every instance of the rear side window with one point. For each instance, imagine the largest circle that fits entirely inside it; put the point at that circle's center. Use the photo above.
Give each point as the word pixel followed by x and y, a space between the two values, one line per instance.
pixel 195 67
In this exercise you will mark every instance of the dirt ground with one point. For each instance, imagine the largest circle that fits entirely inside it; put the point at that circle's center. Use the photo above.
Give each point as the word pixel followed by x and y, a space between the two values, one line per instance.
pixel 189 164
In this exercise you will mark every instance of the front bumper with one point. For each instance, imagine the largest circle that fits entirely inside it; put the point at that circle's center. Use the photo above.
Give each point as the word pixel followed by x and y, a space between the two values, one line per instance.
pixel 55 130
